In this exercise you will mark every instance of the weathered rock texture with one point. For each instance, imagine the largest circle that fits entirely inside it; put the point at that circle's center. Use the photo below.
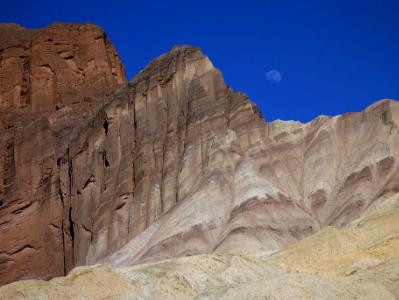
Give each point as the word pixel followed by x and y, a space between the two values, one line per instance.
pixel 359 261
pixel 49 78
pixel 370 241
pixel 176 163
pixel 198 277
pixel 62 65
pixel 264 186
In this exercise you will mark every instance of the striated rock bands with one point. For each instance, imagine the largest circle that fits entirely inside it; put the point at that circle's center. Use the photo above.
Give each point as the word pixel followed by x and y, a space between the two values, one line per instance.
pixel 259 194
pixel 176 163
pixel 359 261
pixel 148 148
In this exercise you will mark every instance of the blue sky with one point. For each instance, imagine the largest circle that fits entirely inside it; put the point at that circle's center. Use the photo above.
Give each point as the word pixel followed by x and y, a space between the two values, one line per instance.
pixel 334 56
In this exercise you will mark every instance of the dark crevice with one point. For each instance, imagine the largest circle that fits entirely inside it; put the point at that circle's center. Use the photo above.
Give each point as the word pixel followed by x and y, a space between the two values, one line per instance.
pixel 120 205
pixel 19 250
pixel 62 221
pixel 105 125
pixel 105 160
pixel 133 162
pixel 182 150
pixel 71 230
pixel 105 167
pixel 8 168
pixel 25 86
pixel 54 225
pixel 70 171
pixel 88 181
pixel 22 208
pixel 90 231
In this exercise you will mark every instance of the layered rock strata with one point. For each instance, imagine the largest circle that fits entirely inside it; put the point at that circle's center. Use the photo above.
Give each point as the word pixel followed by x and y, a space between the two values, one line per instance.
pixel 358 261
pixel 259 194
pixel 366 249
pixel 176 163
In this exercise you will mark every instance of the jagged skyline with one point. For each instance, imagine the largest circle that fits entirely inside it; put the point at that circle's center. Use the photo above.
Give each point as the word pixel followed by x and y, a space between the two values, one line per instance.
pixel 334 58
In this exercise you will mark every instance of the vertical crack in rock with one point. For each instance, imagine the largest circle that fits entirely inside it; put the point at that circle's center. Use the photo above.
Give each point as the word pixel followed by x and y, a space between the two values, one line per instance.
pixel 71 226
pixel 182 141
pixel 62 225
pixel 25 86
pixel 105 125
pixel 8 171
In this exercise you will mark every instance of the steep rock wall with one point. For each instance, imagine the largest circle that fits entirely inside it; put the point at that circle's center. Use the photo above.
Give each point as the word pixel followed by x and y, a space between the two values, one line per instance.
pixel 49 79
pixel 176 163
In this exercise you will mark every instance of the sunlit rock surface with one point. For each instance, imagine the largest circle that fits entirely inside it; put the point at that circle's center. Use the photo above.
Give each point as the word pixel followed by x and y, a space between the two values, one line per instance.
pixel 175 164
pixel 288 183
pixel 358 261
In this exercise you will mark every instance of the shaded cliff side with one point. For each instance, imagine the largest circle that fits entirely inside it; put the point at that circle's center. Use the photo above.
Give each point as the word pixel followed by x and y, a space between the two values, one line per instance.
pixel 49 79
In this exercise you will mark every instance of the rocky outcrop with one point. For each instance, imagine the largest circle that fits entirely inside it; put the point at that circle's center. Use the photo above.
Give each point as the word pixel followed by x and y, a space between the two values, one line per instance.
pixel 148 148
pixel 62 65
pixel 179 164
pixel 257 195
pixel 176 163
pixel 359 261
pixel 208 277
pixel 49 79
pixel 367 242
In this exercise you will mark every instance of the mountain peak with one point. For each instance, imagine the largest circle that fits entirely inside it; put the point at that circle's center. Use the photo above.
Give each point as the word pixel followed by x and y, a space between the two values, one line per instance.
pixel 178 58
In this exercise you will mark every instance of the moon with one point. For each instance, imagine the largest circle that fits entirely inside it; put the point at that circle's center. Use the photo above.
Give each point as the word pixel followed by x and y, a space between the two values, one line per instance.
pixel 273 76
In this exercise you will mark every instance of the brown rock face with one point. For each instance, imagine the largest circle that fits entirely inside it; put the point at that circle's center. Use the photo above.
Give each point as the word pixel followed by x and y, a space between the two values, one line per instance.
pixel 62 65
pixel 49 78
pixel 176 163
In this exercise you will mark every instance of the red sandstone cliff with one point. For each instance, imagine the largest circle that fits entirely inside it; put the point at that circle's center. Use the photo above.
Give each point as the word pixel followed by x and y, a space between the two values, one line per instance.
pixel 49 79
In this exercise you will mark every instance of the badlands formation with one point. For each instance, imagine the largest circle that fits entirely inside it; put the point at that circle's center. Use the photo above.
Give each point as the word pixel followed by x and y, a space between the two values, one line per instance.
pixel 173 186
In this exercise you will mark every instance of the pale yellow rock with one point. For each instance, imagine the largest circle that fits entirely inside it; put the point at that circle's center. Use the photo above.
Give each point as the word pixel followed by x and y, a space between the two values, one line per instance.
pixel 366 242
pixel 94 282
pixel 207 277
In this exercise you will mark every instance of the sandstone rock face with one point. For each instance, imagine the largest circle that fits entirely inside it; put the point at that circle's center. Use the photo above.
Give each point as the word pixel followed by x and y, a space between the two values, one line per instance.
pixel 176 163
pixel 283 183
pixel 150 148
pixel 49 78
pixel 359 261
pixel 62 65
pixel 179 164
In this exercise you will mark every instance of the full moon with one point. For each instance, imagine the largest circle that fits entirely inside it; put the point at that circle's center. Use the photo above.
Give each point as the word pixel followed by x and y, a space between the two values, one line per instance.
pixel 273 76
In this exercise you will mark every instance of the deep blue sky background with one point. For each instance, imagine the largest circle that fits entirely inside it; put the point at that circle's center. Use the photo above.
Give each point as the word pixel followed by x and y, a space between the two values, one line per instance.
pixel 334 56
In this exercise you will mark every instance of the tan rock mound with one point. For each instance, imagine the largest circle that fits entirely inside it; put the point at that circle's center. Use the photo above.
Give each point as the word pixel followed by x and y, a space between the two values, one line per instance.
pixel 369 241
pixel 206 277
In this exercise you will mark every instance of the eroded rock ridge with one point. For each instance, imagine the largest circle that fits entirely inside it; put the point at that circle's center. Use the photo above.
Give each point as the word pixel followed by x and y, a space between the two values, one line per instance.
pixel 174 163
